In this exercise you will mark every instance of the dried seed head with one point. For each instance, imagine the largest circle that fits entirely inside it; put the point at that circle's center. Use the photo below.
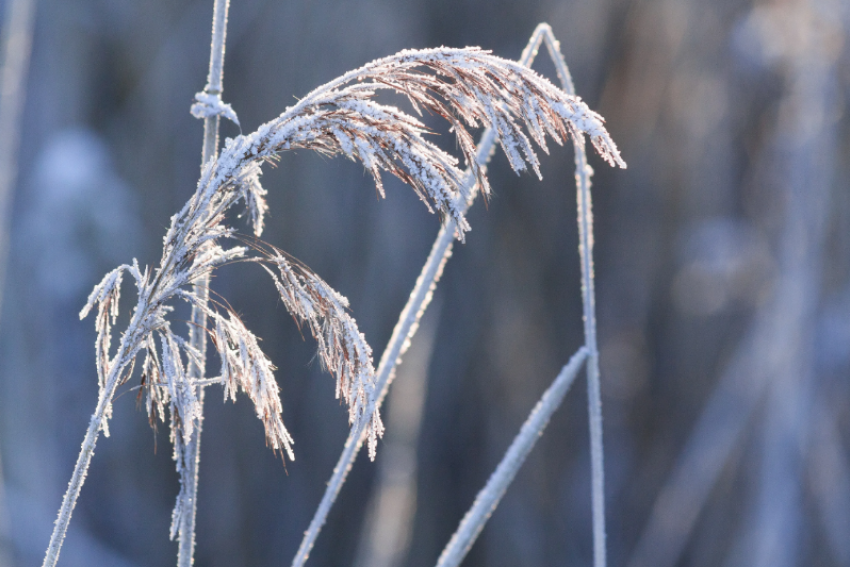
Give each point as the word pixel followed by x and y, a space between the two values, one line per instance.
pixel 468 87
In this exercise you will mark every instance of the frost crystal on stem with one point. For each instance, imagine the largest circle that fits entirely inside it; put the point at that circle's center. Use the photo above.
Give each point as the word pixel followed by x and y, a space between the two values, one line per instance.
pixel 468 87
pixel 207 105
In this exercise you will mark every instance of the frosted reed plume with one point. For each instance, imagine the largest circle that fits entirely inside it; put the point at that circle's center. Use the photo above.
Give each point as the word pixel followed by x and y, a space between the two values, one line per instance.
pixel 469 87
pixel 432 270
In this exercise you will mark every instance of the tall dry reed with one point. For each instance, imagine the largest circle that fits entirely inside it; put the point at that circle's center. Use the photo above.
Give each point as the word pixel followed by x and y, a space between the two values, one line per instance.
pixel 468 87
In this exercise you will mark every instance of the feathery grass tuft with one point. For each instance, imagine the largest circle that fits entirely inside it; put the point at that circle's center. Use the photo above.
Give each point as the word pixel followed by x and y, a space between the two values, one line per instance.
pixel 468 87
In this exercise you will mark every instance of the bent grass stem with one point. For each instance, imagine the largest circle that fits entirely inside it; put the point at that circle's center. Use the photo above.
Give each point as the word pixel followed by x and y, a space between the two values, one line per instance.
pixel 420 298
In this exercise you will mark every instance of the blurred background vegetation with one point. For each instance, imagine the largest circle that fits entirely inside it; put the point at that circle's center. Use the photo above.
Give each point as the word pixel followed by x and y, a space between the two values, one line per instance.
pixel 723 288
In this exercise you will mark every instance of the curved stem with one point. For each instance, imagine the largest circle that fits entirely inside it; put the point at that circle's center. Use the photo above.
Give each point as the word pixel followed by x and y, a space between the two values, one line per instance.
pixel 197 332
pixel 403 332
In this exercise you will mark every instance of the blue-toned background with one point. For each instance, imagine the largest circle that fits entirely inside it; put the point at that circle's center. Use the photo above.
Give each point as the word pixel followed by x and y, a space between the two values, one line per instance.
pixel 723 288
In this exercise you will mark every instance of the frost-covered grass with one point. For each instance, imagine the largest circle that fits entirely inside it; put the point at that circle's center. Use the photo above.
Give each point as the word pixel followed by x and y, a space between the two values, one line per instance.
pixel 468 87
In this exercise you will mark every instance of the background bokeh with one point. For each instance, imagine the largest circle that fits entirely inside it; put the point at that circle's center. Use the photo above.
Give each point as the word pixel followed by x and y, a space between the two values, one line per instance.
pixel 722 265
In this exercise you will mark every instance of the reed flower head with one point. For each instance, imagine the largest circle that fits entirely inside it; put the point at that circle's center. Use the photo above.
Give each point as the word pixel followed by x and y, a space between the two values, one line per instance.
pixel 468 87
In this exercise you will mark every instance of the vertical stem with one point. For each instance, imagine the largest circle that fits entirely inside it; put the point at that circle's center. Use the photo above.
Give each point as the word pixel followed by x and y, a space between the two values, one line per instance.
pixel 403 332
pixel 17 45
pixel 594 396
pixel 197 331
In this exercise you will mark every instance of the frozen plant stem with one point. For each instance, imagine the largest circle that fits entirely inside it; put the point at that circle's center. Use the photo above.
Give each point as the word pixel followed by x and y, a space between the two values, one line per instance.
pixel 585 227
pixel 489 497
pixel 104 403
pixel 197 331
pixel 594 397
pixel 405 329
pixel 468 87
pixel 420 297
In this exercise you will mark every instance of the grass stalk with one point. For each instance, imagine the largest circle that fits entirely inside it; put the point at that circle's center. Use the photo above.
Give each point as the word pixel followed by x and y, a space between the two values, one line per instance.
pixel 489 496
pixel 385 539
pixel 339 117
pixel 197 331
pixel 585 225
pixel 594 396
pixel 420 297
pixel 96 425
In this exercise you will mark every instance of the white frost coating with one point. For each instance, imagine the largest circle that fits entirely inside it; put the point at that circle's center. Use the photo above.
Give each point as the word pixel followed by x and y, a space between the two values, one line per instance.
pixel 188 456
pixel 208 105
pixel 244 366
pixel 468 87
pixel 536 115
pixel 585 225
pixel 489 497
pixel 254 196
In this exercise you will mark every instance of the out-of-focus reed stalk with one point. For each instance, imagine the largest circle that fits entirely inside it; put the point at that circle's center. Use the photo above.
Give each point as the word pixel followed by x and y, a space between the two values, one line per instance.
pixel 16 36
pixel 805 148
pixel 775 358
pixel 18 23
pixel 386 535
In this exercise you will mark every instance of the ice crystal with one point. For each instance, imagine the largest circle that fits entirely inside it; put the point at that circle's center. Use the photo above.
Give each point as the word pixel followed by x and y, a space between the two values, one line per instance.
pixel 207 105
